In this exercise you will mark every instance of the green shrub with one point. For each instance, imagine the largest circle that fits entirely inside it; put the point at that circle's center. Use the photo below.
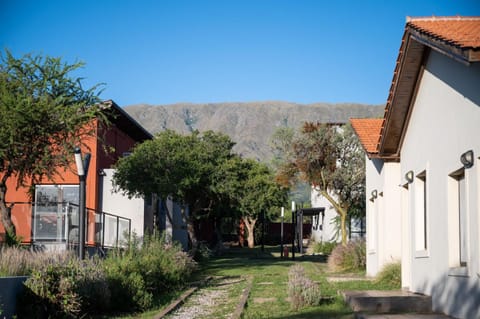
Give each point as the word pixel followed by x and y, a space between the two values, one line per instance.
pixel 324 247
pixel 301 290
pixel 141 272
pixel 66 290
pixel 391 275
pixel 350 257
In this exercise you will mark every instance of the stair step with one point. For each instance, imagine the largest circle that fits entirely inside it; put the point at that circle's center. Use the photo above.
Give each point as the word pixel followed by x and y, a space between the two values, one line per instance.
pixel 402 316
pixel 397 301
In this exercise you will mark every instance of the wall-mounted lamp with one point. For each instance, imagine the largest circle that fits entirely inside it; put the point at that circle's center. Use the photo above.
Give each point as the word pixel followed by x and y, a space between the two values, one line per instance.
pixel 409 176
pixel 467 159
pixel 374 194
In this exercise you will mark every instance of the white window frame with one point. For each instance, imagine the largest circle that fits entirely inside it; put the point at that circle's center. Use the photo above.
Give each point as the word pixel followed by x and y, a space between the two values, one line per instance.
pixel 458 232
pixel 421 215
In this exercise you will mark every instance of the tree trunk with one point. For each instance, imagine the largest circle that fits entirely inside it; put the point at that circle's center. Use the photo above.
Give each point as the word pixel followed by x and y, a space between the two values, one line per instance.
pixel 6 212
pixel 241 233
pixel 190 221
pixel 191 234
pixel 341 211
pixel 343 227
pixel 250 223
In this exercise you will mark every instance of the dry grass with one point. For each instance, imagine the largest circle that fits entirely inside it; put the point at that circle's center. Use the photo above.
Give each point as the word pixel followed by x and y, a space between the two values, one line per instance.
pixel 21 262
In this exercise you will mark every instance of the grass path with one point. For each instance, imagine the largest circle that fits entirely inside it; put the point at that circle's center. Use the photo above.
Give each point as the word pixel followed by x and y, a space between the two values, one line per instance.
pixel 268 296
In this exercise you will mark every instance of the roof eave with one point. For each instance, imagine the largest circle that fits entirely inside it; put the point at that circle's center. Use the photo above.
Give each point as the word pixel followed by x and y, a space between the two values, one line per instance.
pixel 127 123
pixel 463 55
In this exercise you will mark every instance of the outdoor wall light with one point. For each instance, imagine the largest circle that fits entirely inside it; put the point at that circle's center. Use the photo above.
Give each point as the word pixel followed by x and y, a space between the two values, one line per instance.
pixel 79 161
pixel 467 159
pixel 409 176
pixel 374 194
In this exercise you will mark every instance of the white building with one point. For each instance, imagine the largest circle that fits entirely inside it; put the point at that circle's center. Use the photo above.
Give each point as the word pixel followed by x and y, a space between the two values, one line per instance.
pixel 323 226
pixel 423 174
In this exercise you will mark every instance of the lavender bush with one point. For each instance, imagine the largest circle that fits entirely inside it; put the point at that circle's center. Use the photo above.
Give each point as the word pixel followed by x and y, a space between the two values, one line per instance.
pixel 301 290
pixel 350 257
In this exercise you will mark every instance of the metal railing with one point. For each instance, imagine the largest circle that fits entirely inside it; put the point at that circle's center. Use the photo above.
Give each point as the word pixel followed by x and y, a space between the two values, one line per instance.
pixel 57 222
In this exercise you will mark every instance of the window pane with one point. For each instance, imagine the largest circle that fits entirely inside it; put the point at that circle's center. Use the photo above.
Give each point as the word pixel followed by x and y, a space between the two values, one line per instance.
pixel 462 221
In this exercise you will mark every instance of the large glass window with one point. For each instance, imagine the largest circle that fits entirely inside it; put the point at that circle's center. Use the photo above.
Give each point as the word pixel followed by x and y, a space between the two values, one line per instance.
pixel 55 212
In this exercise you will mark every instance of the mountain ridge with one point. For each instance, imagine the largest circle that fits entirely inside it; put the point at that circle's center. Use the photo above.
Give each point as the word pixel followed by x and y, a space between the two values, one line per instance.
pixel 249 124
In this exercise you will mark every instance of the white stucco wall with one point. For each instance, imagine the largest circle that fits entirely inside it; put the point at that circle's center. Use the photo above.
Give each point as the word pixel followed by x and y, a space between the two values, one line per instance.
pixel 384 244
pixel 328 231
pixel 444 123
pixel 118 204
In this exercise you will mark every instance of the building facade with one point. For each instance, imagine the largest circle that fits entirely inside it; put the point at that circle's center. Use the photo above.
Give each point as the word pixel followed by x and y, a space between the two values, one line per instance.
pixel 426 153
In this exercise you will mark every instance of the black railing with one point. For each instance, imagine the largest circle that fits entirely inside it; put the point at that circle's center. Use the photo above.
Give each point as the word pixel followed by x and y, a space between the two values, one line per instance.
pixel 57 222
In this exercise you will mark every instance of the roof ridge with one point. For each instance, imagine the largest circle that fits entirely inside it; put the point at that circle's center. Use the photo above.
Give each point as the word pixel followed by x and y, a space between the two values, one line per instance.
pixel 441 18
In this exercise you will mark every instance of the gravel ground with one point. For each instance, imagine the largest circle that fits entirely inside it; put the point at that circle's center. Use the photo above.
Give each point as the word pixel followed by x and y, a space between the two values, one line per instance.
pixel 203 302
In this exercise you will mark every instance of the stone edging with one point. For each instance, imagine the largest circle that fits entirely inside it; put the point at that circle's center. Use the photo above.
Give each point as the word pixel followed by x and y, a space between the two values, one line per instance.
pixel 180 299
pixel 243 300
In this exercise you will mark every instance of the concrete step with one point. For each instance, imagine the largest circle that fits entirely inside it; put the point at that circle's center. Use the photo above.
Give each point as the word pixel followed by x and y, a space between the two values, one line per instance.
pixel 396 301
pixel 402 316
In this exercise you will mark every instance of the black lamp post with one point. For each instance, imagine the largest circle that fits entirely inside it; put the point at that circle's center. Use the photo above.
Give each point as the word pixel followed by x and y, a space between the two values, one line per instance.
pixel 281 232
pixel 82 171
pixel 294 226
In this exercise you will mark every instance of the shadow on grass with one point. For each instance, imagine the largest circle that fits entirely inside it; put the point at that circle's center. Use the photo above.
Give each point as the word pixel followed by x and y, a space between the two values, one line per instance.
pixel 240 260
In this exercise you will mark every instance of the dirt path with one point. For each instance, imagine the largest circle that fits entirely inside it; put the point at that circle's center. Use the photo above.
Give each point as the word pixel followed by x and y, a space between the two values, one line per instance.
pixel 218 299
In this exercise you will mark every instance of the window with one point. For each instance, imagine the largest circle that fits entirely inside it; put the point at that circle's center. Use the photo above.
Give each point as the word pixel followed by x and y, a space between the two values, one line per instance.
pixel 372 227
pixel 421 212
pixel 458 223
pixel 55 212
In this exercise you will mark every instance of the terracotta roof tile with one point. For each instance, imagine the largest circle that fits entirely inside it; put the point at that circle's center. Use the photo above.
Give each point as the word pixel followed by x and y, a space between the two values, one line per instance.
pixel 463 32
pixel 368 131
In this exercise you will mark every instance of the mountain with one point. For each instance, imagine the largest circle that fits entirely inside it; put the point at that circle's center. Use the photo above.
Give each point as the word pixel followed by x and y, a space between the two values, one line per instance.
pixel 250 124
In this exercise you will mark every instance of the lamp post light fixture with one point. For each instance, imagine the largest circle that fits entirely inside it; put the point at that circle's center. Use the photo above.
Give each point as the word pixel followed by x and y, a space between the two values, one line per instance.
pixel 82 171
pixel 282 213
pixel 467 159
pixel 294 221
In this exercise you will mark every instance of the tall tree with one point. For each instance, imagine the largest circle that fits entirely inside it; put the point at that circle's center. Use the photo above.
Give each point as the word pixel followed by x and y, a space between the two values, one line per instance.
pixel 329 157
pixel 44 114
pixel 252 189
pixel 176 166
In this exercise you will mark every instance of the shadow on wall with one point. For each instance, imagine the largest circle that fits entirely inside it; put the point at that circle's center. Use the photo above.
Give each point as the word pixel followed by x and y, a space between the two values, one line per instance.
pixel 457 296
pixel 464 80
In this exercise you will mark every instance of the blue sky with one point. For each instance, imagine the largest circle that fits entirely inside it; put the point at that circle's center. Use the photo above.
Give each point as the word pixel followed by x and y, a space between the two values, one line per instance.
pixel 167 51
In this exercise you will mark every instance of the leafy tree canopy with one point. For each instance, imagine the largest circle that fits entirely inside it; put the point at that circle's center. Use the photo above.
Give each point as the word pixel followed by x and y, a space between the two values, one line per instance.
pixel 330 158
pixel 44 114
pixel 252 189
pixel 177 166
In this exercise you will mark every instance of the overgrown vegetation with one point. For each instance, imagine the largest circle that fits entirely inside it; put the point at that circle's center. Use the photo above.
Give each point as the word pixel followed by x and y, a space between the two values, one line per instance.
pixel 350 257
pixel 324 247
pixel 62 286
pixel 16 261
pixel 391 274
pixel 138 274
pixel 66 290
pixel 302 291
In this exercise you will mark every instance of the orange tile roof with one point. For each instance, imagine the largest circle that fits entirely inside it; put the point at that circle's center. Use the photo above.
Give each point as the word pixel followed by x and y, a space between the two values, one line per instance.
pixel 368 131
pixel 463 32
